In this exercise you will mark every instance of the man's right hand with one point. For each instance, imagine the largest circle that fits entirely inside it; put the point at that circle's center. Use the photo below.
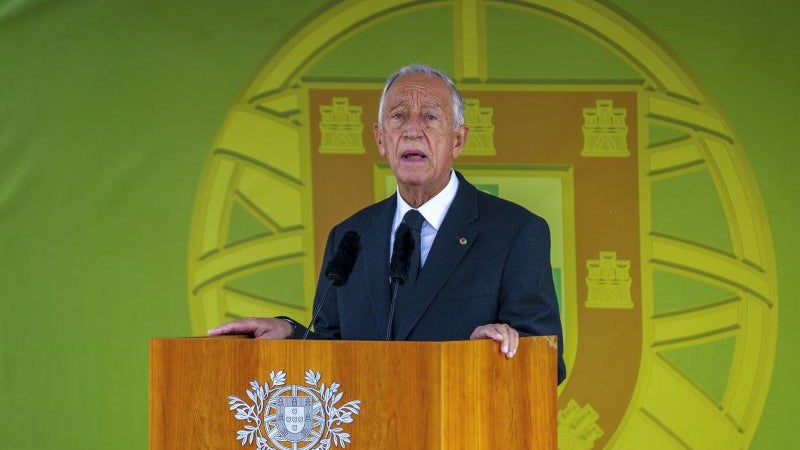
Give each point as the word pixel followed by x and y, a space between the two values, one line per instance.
pixel 257 327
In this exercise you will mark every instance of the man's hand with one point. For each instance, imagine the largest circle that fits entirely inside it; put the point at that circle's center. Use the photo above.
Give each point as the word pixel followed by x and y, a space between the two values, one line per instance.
pixel 258 327
pixel 500 332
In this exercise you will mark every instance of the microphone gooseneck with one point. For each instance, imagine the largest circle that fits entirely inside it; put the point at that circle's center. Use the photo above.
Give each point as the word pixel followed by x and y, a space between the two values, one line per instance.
pixel 398 267
pixel 338 269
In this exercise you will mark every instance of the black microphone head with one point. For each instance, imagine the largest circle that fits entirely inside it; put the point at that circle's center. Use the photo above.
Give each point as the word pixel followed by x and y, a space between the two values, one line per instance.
pixel 401 254
pixel 341 265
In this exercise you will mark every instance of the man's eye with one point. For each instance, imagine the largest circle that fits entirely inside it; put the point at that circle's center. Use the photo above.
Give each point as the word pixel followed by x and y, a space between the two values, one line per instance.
pixel 398 115
pixel 431 117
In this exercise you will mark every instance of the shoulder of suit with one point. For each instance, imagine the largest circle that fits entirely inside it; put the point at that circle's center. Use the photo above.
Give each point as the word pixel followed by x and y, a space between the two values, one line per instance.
pixel 370 213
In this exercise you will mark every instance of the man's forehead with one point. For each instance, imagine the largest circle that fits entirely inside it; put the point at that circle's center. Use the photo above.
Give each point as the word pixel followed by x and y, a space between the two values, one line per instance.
pixel 429 89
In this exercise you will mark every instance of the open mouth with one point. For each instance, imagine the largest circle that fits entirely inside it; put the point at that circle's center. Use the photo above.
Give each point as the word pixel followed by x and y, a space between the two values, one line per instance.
pixel 413 156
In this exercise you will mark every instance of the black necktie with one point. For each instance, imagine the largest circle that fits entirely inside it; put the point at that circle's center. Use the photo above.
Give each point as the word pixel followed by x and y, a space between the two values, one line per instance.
pixel 413 220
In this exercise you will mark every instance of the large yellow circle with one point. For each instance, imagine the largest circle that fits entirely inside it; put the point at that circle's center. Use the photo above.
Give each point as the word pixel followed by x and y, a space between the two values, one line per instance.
pixel 260 150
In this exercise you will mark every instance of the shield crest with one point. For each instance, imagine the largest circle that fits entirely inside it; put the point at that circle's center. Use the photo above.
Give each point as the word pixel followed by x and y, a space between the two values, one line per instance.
pixel 294 418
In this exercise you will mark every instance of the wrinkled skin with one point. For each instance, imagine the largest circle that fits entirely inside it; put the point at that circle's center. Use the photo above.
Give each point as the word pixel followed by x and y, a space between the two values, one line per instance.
pixel 417 137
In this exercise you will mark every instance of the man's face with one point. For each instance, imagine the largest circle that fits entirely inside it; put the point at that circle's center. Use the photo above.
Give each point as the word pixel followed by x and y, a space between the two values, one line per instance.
pixel 416 134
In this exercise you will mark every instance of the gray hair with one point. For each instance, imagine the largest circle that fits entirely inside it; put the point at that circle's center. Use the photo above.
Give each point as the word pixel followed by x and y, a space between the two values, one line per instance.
pixel 455 97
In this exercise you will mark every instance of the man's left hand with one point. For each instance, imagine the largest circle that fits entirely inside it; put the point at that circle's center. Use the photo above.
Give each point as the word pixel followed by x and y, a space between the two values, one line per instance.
pixel 500 332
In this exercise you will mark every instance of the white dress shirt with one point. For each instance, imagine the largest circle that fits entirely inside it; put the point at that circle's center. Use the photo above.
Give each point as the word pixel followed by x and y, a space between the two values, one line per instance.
pixel 433 211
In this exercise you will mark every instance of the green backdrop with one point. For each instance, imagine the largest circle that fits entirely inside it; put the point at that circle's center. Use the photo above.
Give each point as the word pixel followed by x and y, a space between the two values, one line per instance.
pixel 107 111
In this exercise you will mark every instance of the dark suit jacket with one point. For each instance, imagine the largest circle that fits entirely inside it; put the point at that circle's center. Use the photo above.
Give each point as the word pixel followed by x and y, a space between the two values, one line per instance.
pixel 498 273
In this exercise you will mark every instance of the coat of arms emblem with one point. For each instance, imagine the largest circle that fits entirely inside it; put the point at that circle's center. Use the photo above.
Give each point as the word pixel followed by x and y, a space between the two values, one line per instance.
pixel 293 417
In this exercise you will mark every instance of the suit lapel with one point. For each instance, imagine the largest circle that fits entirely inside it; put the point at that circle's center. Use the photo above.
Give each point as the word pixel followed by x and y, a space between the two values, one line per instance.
pixel 453 241
pixel 376 258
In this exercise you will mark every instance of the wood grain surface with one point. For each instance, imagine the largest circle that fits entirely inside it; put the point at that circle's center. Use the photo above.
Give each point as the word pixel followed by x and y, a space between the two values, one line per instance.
pixel 414 395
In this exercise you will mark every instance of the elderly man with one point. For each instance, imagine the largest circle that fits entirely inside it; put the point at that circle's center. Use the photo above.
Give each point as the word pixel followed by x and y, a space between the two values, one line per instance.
pixel 483 262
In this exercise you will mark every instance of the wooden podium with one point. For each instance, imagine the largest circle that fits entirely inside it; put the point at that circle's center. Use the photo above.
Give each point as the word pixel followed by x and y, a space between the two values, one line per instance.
pixel 300 395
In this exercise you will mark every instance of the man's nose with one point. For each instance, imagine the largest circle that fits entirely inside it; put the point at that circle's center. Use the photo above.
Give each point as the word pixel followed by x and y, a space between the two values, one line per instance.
pixel 412 129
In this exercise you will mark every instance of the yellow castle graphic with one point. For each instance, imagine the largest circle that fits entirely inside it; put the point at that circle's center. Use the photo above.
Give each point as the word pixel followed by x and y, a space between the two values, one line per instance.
pixel 341 127
pixel 481 128
pixel 604 130
pixel 609 282
pixel 577 427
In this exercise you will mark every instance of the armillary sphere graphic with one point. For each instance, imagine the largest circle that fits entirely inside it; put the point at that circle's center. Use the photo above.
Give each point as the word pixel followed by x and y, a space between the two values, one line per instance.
pixel 264 205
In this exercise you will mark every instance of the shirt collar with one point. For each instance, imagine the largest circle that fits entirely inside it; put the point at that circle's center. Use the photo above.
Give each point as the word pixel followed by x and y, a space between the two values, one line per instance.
pixel 434 209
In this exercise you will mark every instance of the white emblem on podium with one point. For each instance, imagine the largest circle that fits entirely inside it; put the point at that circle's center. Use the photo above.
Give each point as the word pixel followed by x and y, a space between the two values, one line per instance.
pixel 293 417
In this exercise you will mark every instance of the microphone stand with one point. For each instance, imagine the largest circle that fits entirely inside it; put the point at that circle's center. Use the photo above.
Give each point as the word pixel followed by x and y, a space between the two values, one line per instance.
pixel 317 310
pixel 396 282
pixel 338 270
pixel 398 268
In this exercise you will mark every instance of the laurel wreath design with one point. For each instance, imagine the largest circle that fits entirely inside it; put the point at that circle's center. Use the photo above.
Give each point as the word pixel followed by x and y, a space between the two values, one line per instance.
pixel 260 395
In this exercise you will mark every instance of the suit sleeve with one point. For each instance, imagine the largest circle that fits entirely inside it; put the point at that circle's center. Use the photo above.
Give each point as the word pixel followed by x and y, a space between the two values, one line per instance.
pixel 528 300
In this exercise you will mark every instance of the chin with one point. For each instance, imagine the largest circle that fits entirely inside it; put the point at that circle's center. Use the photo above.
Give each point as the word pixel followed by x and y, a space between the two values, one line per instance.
pixel 412 180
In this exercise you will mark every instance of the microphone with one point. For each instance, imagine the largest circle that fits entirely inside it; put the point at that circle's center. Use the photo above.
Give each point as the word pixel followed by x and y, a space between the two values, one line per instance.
pixel 401 254
pixel 398 267
pixel 338 269
pixel 341 265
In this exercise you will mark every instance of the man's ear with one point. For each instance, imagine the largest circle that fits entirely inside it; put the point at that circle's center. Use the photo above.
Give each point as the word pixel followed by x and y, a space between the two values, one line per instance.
pixel 460 140
pixel 379 139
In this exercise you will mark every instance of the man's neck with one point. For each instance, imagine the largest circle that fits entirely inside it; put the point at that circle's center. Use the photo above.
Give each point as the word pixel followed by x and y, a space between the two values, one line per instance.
pixel 416 196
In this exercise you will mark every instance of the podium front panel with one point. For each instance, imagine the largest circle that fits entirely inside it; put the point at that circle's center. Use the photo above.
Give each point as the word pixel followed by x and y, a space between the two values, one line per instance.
pixel 221 393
